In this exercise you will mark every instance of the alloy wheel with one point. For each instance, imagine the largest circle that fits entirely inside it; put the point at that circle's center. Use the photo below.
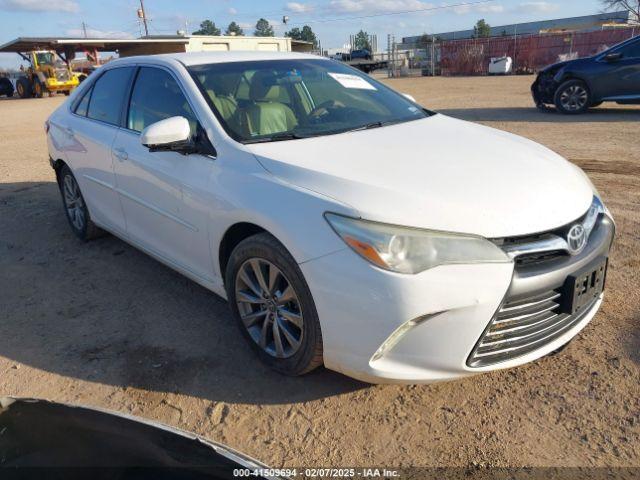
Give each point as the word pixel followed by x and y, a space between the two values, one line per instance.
pixel 269 307
pixel 574 98
pixel 73 202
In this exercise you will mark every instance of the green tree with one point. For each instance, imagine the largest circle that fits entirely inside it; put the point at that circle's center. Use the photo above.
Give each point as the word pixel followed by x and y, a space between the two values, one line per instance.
pixel 263 29
pixel 306 35
pixel 482 29
pixel 207 28
pixel 361 42
pixel 234 29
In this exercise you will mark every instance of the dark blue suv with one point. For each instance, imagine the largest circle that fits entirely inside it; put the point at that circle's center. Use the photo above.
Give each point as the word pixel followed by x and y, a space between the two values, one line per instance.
pixel 577 85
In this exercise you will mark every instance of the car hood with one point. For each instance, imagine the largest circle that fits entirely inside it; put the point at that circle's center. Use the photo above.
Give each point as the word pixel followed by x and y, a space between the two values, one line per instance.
pixel 437 173
pixel 572 63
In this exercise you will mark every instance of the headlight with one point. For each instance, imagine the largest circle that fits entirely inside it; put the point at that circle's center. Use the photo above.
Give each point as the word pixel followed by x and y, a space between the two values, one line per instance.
pixel 409 250
pixel 596 208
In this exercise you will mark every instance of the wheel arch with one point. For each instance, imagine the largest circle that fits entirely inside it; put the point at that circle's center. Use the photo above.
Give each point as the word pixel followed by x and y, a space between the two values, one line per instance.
pixel 235 234
pixel 571 75
pixel 57 167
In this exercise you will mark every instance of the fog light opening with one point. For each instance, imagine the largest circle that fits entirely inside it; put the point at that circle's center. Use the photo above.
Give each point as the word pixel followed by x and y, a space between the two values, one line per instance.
pixel 397 335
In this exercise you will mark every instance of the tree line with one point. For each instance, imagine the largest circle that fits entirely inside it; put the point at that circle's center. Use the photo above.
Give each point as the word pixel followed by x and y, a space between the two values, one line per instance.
pixel 262 29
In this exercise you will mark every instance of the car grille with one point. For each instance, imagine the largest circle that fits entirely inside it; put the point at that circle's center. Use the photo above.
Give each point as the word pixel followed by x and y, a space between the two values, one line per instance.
pixel 538 258
pixel 522 326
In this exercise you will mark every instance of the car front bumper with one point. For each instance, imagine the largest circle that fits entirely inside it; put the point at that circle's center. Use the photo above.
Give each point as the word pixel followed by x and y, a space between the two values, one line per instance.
pixel 543 89
pixel 383 327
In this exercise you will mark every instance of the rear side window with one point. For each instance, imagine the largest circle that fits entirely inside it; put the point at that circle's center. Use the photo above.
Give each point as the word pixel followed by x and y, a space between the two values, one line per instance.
pixel 108 95
pixel 83 105
pixel 156 95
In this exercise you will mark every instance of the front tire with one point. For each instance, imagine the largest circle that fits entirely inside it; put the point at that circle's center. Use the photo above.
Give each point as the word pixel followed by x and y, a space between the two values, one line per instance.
pixel 273 306
pixel 23 86
pixel 572 97
pixel 38 89
pixel 76 208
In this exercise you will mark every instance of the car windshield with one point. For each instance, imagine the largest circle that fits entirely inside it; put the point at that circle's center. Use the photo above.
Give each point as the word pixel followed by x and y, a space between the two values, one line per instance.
pixel 264 101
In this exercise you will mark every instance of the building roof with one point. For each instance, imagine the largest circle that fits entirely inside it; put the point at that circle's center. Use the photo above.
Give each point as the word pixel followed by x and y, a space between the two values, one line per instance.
pixel 25 44
pixel 585 23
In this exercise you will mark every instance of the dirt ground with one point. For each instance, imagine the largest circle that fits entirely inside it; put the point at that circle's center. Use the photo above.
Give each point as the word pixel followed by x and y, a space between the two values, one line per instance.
pixel 102 324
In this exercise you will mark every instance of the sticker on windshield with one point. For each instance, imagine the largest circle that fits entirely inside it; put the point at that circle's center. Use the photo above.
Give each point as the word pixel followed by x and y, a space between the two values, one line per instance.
pixel 352 81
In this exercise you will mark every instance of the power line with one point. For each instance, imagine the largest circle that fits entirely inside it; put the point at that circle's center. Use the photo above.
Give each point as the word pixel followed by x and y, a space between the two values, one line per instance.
pixel 383 14
pixel 338 19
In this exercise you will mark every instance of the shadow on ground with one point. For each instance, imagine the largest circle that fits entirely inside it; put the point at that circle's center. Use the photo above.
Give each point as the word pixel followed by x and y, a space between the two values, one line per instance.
pixel 104 312
pixel 522 114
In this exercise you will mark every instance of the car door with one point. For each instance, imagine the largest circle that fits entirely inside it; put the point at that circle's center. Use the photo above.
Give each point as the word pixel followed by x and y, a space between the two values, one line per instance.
pixel 622 79
pixel 164 194
pixel 90 131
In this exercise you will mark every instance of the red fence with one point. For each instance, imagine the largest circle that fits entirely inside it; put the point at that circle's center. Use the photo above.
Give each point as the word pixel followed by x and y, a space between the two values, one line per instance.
pixel 531 52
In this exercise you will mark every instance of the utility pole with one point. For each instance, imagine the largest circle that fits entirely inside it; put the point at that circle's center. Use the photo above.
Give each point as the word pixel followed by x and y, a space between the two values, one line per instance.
pixel 143 16
pixel 84 29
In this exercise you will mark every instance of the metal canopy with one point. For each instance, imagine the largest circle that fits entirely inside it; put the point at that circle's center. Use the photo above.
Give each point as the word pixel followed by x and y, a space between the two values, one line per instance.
pixel 26 44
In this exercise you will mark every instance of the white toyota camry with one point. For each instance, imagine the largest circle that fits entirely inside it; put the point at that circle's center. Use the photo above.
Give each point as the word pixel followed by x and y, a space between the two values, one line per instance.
pixel 345 224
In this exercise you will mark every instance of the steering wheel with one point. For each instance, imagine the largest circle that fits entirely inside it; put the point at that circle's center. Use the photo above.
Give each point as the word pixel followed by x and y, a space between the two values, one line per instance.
pixel 323 109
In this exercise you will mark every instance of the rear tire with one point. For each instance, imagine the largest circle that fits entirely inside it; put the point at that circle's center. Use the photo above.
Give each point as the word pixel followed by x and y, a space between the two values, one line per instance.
pixel 23 86
pixel 273 306
pixel 572 97
pixel 76 208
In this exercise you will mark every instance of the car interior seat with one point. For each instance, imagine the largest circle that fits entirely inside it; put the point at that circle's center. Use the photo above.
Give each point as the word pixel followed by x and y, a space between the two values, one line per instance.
pixel 220 89
pixel 267 114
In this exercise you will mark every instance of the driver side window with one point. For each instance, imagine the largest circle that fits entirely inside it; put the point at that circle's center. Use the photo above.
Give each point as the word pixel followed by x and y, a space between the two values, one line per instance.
pixel 156 95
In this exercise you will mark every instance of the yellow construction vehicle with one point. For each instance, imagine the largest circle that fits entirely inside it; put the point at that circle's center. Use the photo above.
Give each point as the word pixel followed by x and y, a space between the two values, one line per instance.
pixel 46 74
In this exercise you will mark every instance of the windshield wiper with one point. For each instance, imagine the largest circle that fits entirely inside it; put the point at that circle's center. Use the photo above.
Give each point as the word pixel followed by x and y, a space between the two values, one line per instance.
pixel 369 126
pixel 277 137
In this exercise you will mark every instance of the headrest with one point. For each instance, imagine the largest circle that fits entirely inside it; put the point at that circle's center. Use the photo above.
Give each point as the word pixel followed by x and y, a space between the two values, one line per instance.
pixel 264 87
pixel 220 84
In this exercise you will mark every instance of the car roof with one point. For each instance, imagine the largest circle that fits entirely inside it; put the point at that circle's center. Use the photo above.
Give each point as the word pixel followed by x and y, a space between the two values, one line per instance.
pixel 201 58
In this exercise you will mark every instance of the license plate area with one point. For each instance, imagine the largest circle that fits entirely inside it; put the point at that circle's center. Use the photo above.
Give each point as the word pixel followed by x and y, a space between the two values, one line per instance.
pixel 584 286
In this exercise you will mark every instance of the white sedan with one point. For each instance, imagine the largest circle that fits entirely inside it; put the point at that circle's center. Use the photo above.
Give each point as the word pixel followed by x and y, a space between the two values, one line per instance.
pixel 345 224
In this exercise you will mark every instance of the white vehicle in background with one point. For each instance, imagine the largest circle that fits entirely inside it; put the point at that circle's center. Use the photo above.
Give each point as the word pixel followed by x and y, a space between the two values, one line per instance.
pixel 344 223
pixel 500 66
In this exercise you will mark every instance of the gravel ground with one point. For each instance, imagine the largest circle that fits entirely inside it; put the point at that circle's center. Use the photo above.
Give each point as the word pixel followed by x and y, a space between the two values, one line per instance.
pixel 104 325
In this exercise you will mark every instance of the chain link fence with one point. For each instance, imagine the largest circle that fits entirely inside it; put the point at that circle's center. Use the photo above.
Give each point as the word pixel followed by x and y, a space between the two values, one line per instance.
pixel 529 53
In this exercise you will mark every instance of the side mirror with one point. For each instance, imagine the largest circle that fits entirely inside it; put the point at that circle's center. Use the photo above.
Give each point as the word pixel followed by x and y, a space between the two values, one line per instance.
pixel 168 135
pixel 409 97
pixel 612 57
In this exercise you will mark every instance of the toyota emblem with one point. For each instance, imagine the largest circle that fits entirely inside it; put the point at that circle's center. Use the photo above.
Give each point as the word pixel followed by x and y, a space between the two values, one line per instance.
pixel 576 239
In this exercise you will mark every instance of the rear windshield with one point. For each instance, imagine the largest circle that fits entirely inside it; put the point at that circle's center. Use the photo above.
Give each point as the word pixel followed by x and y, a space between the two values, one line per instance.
pixel 263 101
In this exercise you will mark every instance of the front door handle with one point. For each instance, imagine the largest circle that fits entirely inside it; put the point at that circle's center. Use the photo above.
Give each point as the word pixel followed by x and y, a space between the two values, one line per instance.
pixel 121 154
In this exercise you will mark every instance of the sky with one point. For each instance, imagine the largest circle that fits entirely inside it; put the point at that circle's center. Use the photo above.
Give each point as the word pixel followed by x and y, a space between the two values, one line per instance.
pixel 332 20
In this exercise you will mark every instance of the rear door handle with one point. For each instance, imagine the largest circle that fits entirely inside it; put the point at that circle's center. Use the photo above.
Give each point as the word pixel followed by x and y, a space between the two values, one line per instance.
pixel 69 131
pixel 121 154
